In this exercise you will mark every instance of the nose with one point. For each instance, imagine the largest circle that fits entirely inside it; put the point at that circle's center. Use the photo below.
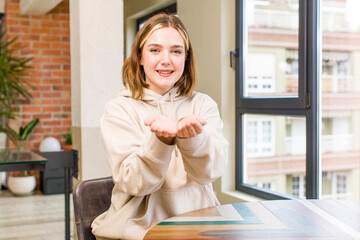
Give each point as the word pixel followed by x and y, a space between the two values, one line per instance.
pixel 165 58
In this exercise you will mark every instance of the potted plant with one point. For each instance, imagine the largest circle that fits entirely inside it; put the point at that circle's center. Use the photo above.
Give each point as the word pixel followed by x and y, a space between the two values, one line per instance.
pixel 13 86
pixel 68 140
pixel 20 137
pixel 21 182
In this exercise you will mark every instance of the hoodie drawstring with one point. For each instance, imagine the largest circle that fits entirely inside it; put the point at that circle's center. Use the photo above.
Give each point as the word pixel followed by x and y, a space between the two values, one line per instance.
pixel 172 111
pixel 174 116
pixel 158 104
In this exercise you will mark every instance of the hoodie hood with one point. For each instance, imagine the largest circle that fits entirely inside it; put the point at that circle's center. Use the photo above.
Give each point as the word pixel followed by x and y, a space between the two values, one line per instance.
pixel 152 97
pixel 155 99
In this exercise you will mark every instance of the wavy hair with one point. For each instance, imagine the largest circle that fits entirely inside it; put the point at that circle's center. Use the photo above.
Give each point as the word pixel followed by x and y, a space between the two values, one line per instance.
pixel 133 73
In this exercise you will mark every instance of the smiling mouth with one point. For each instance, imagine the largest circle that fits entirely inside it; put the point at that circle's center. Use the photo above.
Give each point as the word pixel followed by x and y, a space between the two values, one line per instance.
pixel 165 73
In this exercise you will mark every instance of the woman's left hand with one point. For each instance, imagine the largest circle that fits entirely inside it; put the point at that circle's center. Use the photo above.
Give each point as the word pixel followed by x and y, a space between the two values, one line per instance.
pixel 190 126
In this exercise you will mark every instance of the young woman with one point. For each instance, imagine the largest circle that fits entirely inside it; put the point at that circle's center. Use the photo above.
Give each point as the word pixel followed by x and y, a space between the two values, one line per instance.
pixel 163 141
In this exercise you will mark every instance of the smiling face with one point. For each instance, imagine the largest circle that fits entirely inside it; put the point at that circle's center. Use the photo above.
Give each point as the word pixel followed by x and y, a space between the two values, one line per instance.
pixel 163 59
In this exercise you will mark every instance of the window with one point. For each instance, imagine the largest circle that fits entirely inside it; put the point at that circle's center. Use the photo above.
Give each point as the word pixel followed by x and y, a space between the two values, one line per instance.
pixel 340 185
pixel 261 80
pixel 272 96
pixel 260 137
pixel 274 148
pixel 336 72
pixel 297 98
pixel 336 185
pixel 266 185
pixel 298 186
pixel 340 95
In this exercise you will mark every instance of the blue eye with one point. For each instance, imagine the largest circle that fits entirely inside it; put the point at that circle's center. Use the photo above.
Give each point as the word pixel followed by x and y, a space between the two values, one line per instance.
pixel 177 51
pixel 154 50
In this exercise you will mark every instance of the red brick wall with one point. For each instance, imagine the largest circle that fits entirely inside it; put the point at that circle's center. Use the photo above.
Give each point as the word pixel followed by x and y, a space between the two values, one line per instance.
pixel 45 38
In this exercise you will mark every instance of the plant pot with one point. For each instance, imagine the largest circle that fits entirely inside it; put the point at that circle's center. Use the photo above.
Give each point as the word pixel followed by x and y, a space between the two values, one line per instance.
pixel 22 185
pixel 22 146
pixel 67 147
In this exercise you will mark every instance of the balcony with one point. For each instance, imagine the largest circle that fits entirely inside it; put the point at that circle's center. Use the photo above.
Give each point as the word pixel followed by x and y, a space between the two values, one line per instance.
pixel 330 83
pixel 329 143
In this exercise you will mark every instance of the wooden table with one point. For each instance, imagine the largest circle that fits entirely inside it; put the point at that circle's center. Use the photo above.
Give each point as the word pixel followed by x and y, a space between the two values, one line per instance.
pixel 278 219
pixel 13 160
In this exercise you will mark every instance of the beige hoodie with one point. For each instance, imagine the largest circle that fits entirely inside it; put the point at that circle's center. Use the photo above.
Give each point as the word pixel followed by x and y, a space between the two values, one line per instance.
pixel 155 181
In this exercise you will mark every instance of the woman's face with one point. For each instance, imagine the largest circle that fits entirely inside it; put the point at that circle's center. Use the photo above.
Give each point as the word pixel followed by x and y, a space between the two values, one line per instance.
pixel 163 59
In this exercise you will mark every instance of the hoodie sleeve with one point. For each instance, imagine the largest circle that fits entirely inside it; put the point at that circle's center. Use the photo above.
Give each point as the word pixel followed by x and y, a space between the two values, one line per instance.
pixel 205 156
pixel 138 163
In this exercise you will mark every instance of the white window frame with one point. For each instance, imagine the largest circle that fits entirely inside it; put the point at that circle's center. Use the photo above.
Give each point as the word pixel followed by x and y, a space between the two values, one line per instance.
pixel 302 184
pixel 335 183
pixel 260 82
pixel 260 145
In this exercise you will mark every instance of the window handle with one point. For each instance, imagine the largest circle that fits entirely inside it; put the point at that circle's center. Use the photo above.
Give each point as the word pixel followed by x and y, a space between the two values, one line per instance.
pixel 233 53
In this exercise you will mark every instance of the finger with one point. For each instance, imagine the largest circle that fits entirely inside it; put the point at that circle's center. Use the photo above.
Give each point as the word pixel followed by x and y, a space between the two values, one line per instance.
pixel 164 134
pixel 200 119
pixel 153 128
pixel 191 132
pixel 185 132
pixel 180 127
pixel 169 128
pixel 163 130
pixel 173 132
pixel 150 120
pixel 185 124
pixel 181 134
pixel 180 124
pixel 156 127
pixel 198 128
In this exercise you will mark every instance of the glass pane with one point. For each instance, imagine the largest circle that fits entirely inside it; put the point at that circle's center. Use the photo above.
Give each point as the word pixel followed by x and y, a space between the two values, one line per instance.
pixel 271 60
pixel 274 148
pixel 340 81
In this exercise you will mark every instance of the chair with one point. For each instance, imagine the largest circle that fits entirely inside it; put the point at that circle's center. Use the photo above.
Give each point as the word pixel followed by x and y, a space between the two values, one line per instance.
pixel 91 198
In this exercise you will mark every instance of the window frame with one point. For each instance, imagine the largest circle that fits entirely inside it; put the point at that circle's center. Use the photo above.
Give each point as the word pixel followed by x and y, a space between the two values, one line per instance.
pixel 171 9
pixel 306 104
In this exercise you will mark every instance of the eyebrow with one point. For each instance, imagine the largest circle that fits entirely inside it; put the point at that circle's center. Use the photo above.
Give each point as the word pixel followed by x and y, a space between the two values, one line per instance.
pixel 177 46
pixel 159 45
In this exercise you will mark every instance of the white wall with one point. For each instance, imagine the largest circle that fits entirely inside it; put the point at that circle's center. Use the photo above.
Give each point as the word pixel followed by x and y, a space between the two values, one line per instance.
pixel 96 60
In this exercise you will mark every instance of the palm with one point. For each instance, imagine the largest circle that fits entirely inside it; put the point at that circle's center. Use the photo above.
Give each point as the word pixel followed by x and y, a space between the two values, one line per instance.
pixel 190 126
pixel 161 126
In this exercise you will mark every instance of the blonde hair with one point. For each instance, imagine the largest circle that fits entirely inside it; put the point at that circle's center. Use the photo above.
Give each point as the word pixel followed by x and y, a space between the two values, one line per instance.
pixel 133 73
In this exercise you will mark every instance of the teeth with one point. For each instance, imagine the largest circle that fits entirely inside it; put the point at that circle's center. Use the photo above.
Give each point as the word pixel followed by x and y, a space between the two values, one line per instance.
pixel 164 72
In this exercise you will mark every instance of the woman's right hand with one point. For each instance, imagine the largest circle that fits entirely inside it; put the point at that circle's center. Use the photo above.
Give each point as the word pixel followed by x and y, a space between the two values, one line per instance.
pixel 164 128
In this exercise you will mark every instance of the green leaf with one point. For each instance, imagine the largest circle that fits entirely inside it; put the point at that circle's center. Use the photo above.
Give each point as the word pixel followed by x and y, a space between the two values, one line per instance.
pixel 13 86
pixel 29 128
pixel 13 136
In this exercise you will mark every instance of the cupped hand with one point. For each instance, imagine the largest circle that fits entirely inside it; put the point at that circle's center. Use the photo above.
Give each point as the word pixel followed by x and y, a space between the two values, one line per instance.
pixel 161 126
pixel 190 126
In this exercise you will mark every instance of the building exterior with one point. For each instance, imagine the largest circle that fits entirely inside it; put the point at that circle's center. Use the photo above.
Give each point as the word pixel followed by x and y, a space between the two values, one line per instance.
pixel 275 145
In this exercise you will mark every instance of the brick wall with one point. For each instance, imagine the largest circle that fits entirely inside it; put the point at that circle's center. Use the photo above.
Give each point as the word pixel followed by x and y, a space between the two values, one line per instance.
pixel 45 38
